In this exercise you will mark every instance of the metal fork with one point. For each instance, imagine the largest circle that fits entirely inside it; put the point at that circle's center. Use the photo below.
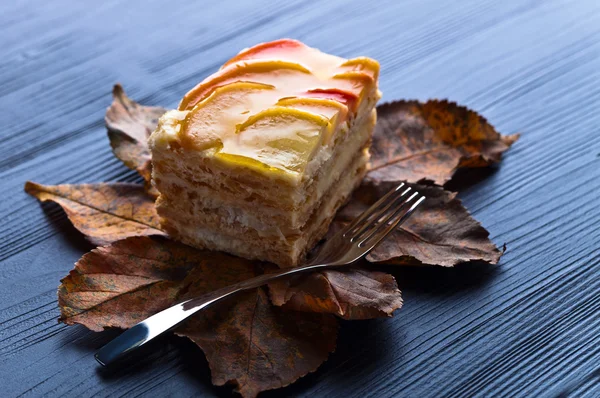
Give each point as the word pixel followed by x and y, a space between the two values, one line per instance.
pixel 345 247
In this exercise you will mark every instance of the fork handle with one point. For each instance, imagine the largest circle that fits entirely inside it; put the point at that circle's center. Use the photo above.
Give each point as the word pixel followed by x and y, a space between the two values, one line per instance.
pixel 167 319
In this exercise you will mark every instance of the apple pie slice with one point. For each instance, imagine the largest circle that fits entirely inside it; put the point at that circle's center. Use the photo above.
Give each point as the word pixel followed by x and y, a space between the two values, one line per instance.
pixel 259 156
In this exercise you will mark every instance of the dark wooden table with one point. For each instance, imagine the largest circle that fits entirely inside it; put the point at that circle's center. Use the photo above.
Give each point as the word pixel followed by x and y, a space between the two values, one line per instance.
pixel 527 327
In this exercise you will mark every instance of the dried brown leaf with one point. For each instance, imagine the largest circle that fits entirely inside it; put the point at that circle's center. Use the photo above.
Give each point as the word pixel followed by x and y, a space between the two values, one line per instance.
pixel 258 346
pixel 247 341
pixel 129 125
pixel 440 232
pixel 349 294
pixel 103 212
pixel 415 141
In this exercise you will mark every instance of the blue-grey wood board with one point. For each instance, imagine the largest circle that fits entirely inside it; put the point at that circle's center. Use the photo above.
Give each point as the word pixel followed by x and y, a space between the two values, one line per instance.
pixel 528 327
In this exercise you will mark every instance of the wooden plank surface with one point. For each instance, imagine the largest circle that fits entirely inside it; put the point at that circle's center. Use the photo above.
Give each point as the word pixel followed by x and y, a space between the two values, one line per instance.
pixel 527 327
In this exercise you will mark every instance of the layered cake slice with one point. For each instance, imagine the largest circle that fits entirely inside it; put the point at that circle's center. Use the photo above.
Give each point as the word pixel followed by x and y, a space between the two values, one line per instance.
pixel 259 156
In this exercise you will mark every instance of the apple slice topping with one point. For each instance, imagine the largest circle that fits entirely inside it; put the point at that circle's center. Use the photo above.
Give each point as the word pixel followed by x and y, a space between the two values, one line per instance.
pixel 255 71
pixel 269 50
pixel 227 106
pixel 362 64
pixel 279 137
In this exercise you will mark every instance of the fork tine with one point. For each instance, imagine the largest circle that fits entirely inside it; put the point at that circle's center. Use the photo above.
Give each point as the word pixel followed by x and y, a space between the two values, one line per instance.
pixel 394 201
pixel 396 218
pixel 389 211
pixel 375 210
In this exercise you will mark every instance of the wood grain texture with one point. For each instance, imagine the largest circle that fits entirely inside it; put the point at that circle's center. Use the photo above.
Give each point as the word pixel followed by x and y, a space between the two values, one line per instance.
pixel 527 327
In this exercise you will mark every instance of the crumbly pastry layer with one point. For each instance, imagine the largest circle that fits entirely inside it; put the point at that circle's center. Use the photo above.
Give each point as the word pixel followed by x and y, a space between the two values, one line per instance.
pixel 236 237
pixel 260 155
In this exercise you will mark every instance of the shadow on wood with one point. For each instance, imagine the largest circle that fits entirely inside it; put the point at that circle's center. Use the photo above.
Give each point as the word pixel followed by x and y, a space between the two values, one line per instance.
pixel 362 348
pixel 467 178
pixel 443 280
